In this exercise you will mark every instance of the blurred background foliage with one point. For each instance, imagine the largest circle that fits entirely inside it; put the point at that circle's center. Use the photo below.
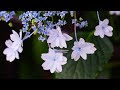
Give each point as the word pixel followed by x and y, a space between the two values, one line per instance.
pixel 104 64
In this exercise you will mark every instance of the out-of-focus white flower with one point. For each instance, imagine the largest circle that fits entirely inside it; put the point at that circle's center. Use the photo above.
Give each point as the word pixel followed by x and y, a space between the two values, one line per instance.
pixel 57 38
pixel 103 29
pixel 14 47
pixel 17 41
pixel 114 12
pixel 10 52
pixel 53 61
pixel 82 48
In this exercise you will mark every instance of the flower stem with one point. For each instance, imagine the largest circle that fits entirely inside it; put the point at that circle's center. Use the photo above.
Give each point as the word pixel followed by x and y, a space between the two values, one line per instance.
pixel 28 36
pixel 98 16
pixel 75 26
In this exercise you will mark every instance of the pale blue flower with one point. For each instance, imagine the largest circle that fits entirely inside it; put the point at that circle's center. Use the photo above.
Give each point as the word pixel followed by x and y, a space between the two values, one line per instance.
pixel 41 38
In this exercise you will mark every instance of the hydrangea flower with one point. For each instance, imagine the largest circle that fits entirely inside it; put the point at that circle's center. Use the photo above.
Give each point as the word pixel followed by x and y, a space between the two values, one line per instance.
pixel 57 38
pixel 103 29
pixel 13 46
pixel 114 12
pixel 17 40
pixel 82 48
pixel 53 61
pixel 42 38
pixel 83 24
pixel 10 52
pixel 63 13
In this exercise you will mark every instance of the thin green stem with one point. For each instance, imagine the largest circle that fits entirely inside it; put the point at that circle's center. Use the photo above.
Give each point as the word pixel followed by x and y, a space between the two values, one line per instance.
pixel 26 37
pixel 75 26
pixel 98 16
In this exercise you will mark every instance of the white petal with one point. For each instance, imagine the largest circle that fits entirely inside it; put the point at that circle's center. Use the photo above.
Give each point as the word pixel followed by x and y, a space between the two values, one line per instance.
pixel 15 33
pixel 76 43
pixel 53 32
pixel 53 68
pixel 110 28
pixel 51 51
pixel 14 37
pixel 57 42
pixel 7 51
pixel 75 55
pixel 57 70
pixel 109 34
pixel 20 35
pixel 105 22
pixel 83 55
pixel 20 49
pixel 59 30
pixel 76 46
pixel 59 67
pixel 67 37
pixel 89 44
pixel 47 57
pixel 8 43
pixel 53 44
pixel 47 65
pixel 99 31
pixel 15 45
pixel 81 41
pixel 64 61
pixel 11 57
pixel 16 55
pixel 89 50
pixel 62 43
pixel 51 39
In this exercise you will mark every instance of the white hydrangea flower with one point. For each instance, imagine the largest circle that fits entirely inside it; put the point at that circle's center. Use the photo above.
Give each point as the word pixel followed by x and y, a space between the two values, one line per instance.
pixel 14 47
pixel 57 38
pixel 114 12
pixel 82 48
pixel 103 29
pixel 17 41
pixel 53 61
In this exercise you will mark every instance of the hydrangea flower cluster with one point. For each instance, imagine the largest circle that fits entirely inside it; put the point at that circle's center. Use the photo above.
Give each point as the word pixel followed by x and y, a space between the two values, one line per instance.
pixel 49 29
pixel 6 16
pixel 103 28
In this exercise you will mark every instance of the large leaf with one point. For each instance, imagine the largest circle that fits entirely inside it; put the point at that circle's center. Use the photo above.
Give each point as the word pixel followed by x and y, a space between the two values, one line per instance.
pixel 30 63
pixel 90 68
pixel 30 60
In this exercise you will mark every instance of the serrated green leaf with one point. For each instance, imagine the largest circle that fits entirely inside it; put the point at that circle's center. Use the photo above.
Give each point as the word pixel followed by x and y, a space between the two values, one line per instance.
pixel 90 68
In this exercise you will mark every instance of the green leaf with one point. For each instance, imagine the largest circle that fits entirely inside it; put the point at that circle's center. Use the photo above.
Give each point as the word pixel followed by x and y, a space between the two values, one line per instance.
pixel 38 47
pixel 90 68
pixel 30 60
